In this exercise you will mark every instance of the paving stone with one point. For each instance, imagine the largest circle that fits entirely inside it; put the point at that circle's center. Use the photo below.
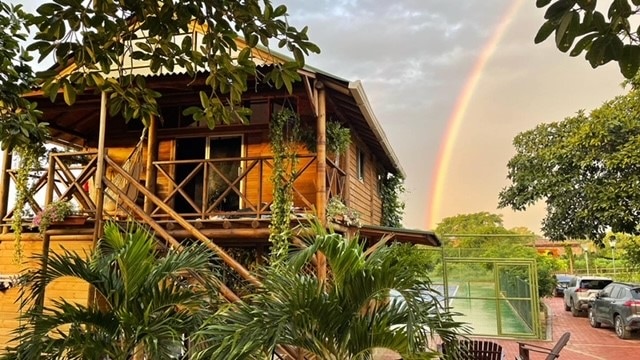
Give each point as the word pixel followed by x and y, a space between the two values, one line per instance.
pixel 586 343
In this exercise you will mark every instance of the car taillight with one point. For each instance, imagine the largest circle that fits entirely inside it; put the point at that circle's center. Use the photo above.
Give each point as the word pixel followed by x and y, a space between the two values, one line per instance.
pixel 631 303
pixel 581 290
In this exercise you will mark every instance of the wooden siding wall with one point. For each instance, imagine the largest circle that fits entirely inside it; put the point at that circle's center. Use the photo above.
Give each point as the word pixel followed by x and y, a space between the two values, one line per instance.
pixel 257 144
pixel 70 289
pixel 165 153
pixel 363 194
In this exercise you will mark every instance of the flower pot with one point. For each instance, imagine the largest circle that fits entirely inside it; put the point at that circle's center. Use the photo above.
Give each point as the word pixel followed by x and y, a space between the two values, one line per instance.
pixel 72 220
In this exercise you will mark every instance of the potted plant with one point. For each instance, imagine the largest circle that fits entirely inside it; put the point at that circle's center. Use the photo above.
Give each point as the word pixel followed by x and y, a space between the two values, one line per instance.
pixel 338 139
pixel 337 211
pixel 55 212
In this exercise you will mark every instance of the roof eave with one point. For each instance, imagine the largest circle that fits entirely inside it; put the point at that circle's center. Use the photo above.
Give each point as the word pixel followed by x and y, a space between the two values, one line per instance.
pixel 357 91
pixel 419 237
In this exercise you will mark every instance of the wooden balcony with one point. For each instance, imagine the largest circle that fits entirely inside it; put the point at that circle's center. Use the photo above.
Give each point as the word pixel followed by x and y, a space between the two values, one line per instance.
pixel 202 192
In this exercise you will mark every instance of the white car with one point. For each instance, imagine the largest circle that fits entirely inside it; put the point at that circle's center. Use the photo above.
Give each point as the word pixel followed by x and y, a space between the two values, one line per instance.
pixel 582 290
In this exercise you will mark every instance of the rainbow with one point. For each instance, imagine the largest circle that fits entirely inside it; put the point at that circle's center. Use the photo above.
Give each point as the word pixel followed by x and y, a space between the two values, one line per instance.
pixel 441 167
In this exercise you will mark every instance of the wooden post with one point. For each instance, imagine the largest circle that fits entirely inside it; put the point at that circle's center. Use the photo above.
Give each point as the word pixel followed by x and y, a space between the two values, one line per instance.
pixel 100 168
pixel 46 241
pixel 5 182
pixel 152 155
pixel 321 176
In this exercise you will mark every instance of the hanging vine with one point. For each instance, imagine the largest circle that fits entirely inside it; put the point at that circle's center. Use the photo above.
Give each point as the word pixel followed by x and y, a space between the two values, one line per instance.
pixel 20 130
pixel 30 156
pixel 392 206
pixel 284 133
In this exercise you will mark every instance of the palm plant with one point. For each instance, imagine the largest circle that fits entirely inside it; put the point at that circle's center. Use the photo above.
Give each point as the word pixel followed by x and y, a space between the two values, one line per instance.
pixel 145 301
pixel 345 317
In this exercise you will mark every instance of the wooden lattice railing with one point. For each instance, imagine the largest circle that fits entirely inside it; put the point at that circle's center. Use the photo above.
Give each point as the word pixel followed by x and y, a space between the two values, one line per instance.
pixel 70 181
pixel 250 188
pixel 247 193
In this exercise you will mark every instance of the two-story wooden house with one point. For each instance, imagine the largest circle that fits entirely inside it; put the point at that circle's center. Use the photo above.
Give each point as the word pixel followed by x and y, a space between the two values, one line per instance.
pixel 186 181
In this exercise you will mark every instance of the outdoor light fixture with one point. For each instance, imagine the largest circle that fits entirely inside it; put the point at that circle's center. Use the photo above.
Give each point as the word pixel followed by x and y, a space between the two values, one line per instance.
pixel 585 251
pixel 612 243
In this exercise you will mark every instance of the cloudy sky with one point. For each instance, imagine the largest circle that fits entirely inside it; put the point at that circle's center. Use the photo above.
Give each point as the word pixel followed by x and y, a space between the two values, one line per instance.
pixel 415 57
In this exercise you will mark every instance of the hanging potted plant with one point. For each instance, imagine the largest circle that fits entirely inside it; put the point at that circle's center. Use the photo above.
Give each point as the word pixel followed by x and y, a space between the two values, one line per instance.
pixel 338 139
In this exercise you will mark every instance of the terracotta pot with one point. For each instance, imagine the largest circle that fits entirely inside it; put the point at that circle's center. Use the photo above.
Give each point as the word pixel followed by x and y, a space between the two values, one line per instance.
pixel 72 220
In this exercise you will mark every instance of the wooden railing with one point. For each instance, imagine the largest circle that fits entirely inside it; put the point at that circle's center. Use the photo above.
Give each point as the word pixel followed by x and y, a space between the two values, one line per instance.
pixel 70 181
pixel 236 187
pixel 196 189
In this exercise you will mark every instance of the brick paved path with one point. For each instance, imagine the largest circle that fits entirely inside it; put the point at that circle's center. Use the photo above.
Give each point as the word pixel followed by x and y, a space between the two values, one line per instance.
pixel 586 343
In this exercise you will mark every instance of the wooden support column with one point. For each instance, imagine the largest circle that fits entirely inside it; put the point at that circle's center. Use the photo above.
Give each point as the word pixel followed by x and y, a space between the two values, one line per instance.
pixel 100 169
pixel 321 175
pixel 46 241
pixel 152 156
pixel 5 182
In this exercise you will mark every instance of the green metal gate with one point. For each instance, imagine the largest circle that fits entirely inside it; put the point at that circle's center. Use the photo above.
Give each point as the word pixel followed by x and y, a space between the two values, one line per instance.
pixel 497 297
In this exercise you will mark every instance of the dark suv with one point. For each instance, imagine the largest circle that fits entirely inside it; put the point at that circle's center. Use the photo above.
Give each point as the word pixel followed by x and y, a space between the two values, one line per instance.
pixel 562 282
pixel 581 290
pixel 618 304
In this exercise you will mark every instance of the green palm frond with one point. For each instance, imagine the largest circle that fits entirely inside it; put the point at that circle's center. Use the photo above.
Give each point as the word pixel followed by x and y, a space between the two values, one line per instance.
pixel 148 301
pixel 345 317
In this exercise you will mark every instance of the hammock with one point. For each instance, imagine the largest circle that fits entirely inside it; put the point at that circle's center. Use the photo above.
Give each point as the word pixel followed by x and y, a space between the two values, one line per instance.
pixel 133 166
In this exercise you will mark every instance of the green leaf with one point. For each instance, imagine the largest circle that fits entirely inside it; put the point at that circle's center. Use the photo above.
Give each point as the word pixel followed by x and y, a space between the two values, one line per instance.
pixel 53 90
pixel 312 47
pixel 614 48
pixel 69 93
pixel 588 5
pixel 630 61
pixel 204 99
pixel 542 3
pixel 623 7
pixel 144 47
pixel 567 30
pixel 582 44
pixel 48 9
pixel 558 9
pixel 279 11
pixel 545 30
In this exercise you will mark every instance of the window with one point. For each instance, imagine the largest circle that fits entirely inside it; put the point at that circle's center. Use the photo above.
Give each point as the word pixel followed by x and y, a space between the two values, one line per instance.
pixel 259 111
pixel 361 162
pixel 382 176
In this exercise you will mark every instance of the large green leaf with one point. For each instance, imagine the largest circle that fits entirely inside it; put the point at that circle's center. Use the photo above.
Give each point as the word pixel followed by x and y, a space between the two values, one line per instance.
pixel 630 60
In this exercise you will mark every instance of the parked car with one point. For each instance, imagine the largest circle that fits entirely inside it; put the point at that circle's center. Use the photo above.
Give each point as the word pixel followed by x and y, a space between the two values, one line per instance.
pixel 581 290
pixel 617 305
pixel 562 282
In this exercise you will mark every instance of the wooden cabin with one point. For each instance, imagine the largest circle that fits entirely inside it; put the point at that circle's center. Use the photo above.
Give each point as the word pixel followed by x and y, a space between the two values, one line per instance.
pixel 187 181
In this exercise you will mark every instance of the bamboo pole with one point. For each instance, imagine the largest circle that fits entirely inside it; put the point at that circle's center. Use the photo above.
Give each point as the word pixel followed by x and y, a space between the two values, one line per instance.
pixel 5 182
pixel 97 230
pixel 46 241
pixel 152 155
pixel 224 233
pixel 228 259
pixel 100 167
pixel 321 176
